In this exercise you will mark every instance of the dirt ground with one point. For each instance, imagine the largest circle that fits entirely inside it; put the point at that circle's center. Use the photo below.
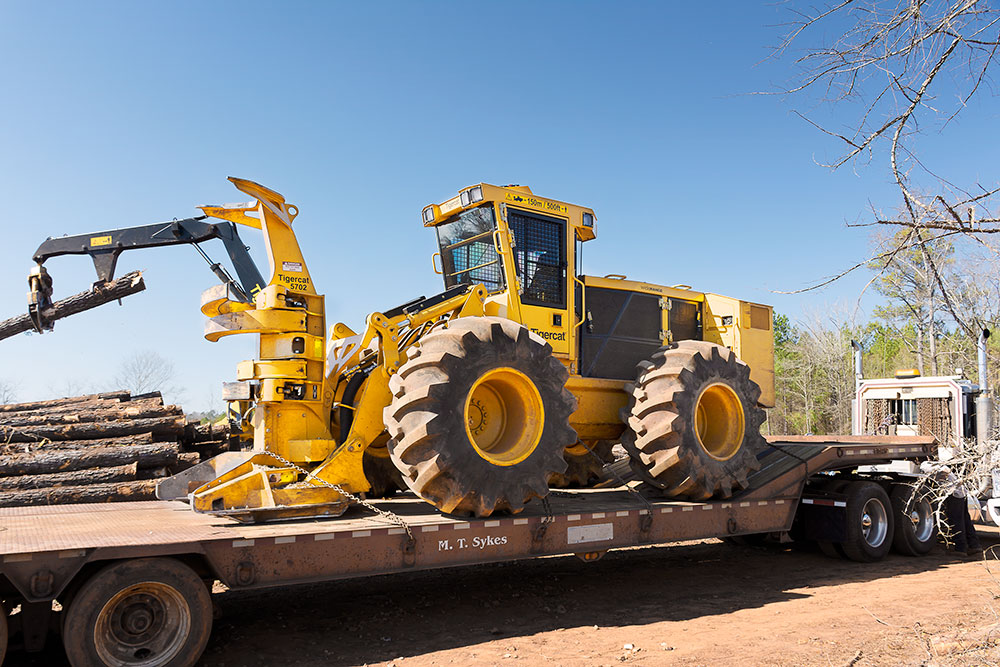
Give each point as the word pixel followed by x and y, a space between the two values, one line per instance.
pixel 696 603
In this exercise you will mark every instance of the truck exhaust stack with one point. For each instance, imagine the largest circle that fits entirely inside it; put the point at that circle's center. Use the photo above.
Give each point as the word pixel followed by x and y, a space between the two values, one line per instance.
pixel 984 404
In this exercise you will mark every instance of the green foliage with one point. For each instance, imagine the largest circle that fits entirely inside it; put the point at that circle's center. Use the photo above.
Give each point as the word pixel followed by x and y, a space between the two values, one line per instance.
pixel 784 333
pixel 207 416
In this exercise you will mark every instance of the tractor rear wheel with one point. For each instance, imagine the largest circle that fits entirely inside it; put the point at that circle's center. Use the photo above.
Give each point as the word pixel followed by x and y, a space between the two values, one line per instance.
pixel 584 462
pixel 479 417
pixel 380 471
pixel 693 421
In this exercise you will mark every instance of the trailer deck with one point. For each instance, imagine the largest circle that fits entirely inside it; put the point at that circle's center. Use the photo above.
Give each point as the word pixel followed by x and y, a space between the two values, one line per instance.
pixel 43 548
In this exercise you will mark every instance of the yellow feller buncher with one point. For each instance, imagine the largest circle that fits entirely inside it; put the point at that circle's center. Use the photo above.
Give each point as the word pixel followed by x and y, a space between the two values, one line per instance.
pixel 517 377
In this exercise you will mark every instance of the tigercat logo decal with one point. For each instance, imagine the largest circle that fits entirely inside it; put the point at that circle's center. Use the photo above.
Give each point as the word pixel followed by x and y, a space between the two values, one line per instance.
pixel 296 283
pixel 550 335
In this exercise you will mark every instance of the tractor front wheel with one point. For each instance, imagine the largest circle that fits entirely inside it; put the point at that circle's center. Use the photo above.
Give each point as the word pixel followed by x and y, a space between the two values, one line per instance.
pixel 479 417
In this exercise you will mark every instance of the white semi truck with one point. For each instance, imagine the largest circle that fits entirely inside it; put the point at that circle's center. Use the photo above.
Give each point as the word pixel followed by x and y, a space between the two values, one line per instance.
pixel 952 409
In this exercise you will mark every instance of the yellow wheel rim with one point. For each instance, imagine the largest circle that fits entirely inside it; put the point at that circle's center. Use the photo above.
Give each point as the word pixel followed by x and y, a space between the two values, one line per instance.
pixel 719 421
pixel 504 416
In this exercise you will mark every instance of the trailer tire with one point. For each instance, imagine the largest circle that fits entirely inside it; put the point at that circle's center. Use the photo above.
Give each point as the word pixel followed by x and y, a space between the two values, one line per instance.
pixel 869 522
pixel 693 421
pixel 479 417
pixel 748 540
pixel 4 632
pixel 831 549
pixel 584 462
pixel 916 530
pixel 153 612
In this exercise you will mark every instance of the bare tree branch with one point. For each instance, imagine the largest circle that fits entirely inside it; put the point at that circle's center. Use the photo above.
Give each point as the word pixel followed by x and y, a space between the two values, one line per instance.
pixel 891 58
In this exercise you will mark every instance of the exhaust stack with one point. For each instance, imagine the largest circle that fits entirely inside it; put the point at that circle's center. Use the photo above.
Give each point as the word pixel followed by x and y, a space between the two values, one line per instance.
pixel 984 404
pixel 858 371
pixel 858 377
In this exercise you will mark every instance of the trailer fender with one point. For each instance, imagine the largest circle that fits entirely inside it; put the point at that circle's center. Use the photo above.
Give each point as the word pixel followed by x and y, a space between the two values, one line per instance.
pixel 822 518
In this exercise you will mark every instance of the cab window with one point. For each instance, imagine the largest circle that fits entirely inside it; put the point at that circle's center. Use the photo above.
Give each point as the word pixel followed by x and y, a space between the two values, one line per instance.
pixel 468 256
pixel 540 257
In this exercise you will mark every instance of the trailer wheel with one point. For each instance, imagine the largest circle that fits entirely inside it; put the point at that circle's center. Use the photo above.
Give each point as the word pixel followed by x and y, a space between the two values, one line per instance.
pixel 153 612
pixel 748 540
pixel 693 421
pixel 584 462
pixel 869 522
pixel 916 531
pixel 4 633
pixel 831 549
pixel 479 417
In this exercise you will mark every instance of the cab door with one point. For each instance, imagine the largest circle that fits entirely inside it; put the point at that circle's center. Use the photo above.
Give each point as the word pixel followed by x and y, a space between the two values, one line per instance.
pixel 539 250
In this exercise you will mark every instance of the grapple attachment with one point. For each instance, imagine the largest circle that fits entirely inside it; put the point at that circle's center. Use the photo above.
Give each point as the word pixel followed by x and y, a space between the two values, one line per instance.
pixel 39 297
pixel 269 487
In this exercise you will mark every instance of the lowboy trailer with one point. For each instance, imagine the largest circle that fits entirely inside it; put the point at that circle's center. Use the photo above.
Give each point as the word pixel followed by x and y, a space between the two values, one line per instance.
pixel 134 579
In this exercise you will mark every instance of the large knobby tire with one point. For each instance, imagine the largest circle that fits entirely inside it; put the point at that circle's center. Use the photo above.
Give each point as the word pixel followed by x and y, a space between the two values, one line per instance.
pixel 915 529
pixel 693 421
pixel 479 417
pixel 869 522
pixel 584 463
pixel 153 612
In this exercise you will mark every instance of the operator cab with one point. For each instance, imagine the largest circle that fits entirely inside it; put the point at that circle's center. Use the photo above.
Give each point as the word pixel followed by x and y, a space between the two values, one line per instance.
pixel 506 236
pixel 520 247
pixel 469 241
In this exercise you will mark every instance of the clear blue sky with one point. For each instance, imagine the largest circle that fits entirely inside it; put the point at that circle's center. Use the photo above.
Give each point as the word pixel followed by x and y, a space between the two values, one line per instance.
pixel 362 113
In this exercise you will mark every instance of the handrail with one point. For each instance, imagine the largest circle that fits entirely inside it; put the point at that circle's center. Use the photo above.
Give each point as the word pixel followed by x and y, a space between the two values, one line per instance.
pixel 583 302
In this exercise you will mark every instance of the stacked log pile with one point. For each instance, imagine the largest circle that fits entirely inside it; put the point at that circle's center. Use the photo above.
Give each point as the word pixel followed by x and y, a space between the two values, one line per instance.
pixel 96 448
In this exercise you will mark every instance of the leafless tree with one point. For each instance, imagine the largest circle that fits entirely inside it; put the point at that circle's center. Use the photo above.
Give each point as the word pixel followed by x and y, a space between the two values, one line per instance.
pixel 902 67
pixel 143 372
pixel 815 375
pixel 8 393
pixel 967 469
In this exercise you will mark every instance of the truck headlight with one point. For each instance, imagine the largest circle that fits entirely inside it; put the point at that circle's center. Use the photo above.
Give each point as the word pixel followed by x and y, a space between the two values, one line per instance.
pixel 588 219
pixel 428 214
